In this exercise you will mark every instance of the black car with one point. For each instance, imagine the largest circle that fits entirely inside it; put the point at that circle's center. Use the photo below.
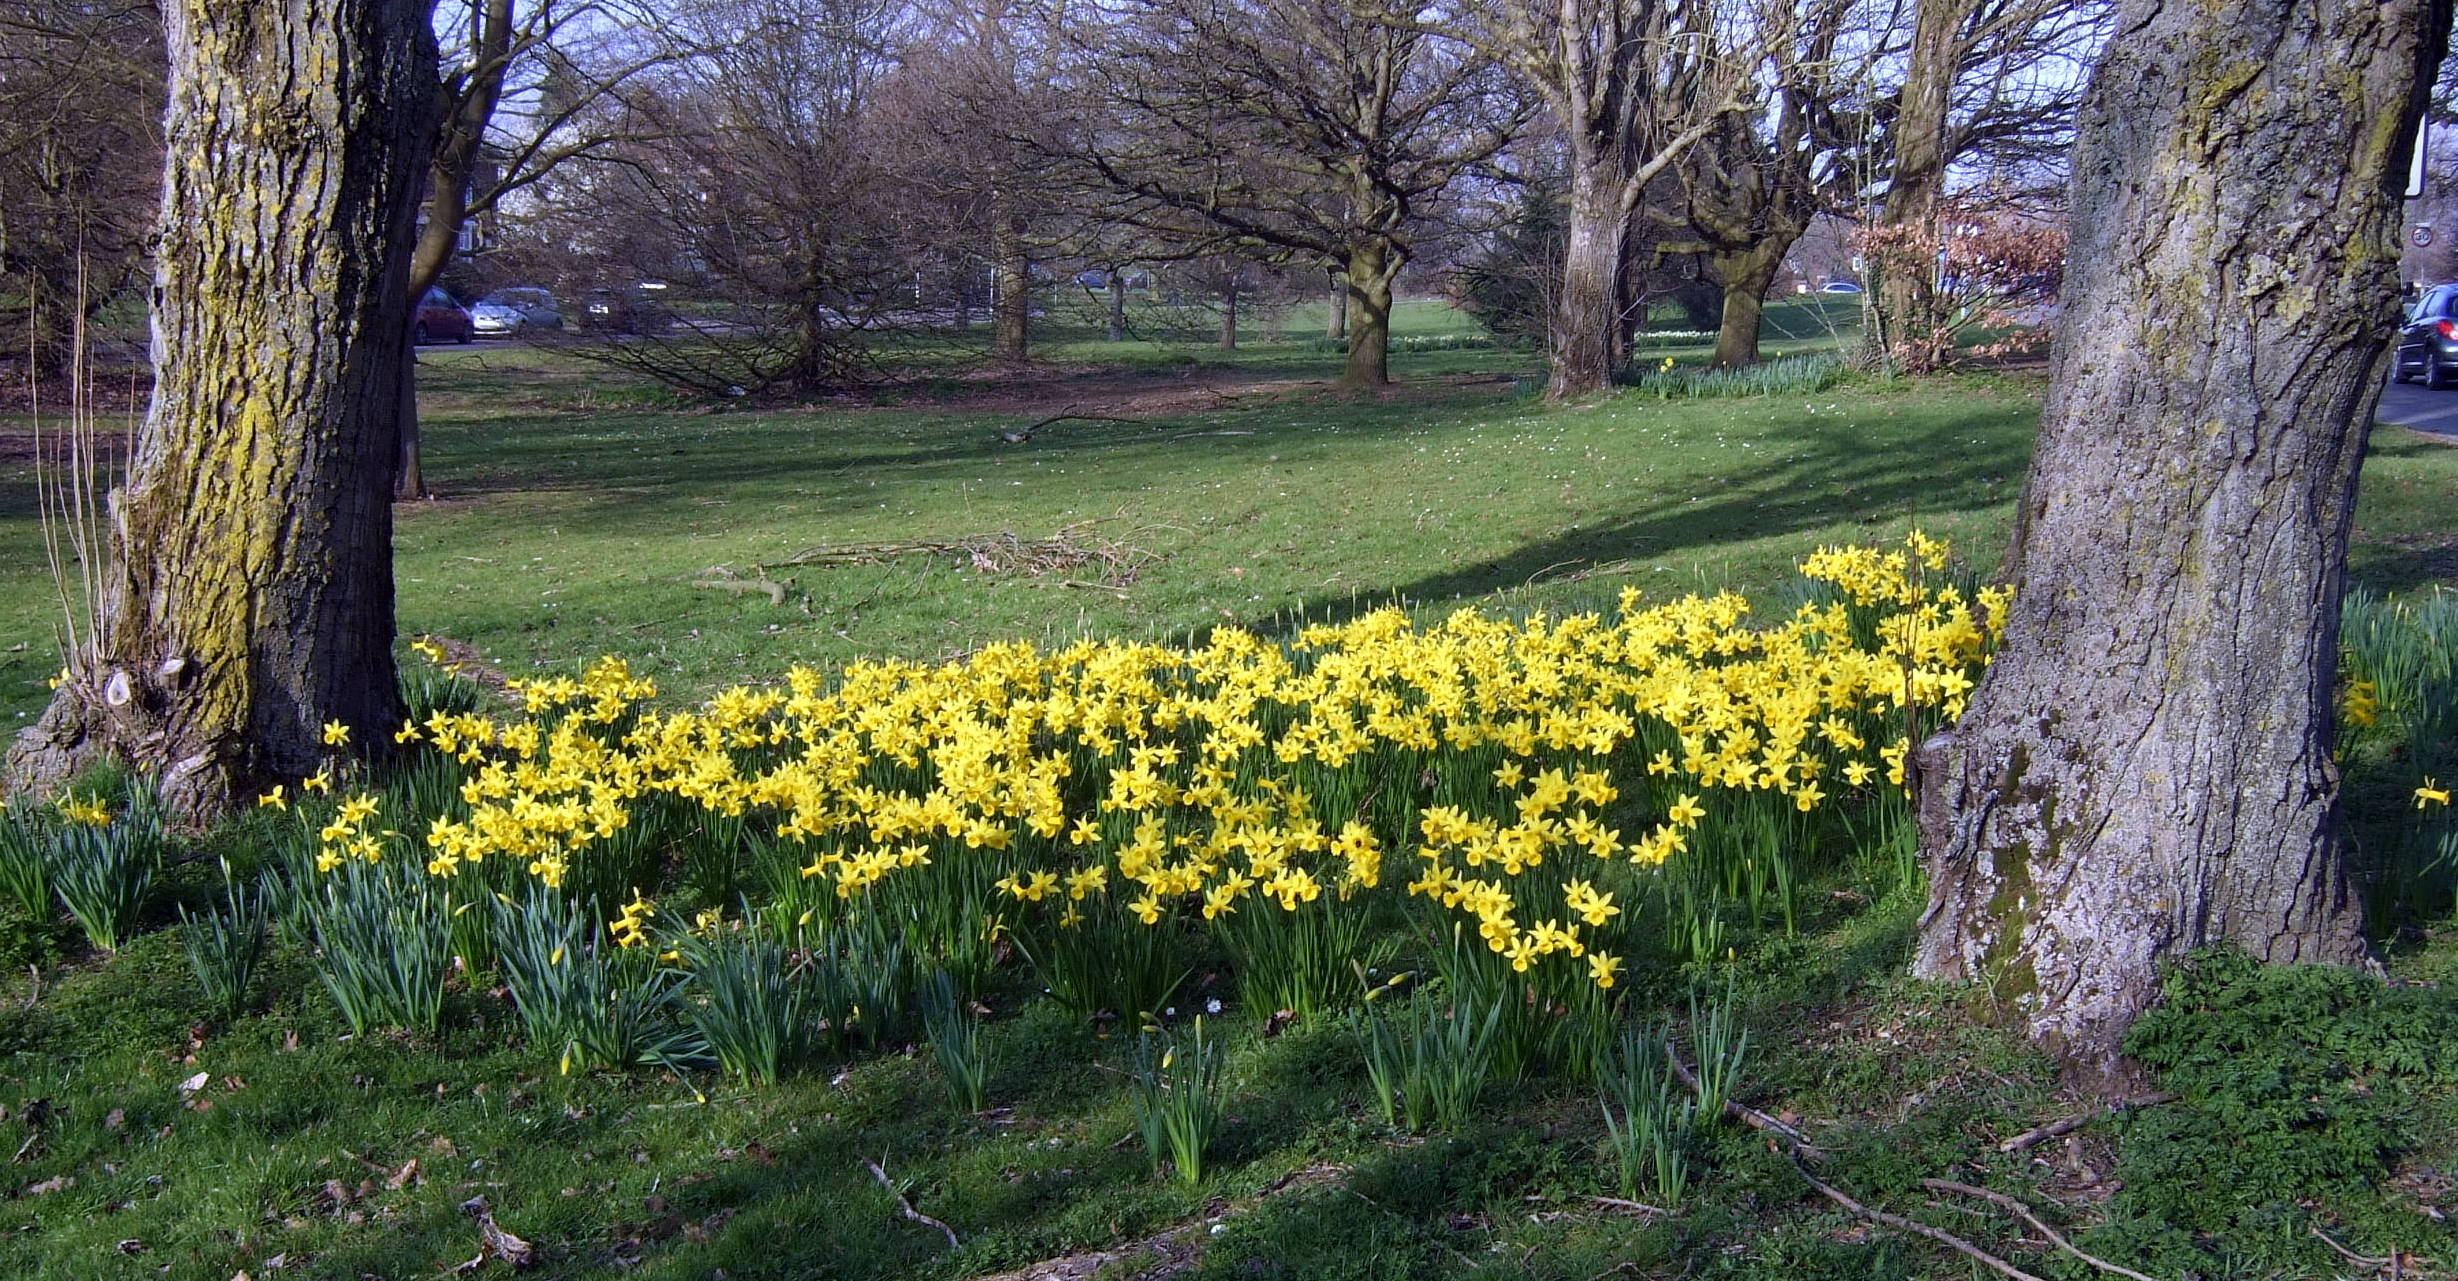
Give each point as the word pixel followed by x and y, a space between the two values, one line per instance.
pixel 622 311
pixel 2428 345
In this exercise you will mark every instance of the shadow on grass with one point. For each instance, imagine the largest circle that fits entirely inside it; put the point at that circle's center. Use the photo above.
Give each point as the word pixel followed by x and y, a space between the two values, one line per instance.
pixel 1828 480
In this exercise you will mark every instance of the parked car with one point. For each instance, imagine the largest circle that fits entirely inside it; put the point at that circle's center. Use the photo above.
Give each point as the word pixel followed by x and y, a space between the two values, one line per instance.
pixel 622 311
pixel 1839 287
pixel 516 310
pixel 440 319
pixel 2428 342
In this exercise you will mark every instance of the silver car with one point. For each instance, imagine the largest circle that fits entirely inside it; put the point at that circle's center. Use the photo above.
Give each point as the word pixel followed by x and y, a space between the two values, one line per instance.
pixel 516 311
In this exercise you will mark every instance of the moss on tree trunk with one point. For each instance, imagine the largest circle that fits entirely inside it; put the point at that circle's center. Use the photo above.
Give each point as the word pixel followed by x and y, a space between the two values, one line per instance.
pixel 2146 767
pixel 249 599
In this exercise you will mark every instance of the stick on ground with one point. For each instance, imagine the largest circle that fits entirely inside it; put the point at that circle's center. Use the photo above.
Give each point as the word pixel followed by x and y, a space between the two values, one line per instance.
pixel 2025 1213
pixel 1916 1228
pixel 905 1207
pixel 2067 1125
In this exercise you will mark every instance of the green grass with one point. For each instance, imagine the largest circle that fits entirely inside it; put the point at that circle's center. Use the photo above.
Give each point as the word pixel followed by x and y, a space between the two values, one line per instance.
pixel 577 509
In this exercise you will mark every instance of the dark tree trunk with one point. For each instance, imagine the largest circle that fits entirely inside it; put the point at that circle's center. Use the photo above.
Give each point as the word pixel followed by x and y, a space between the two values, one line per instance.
pixel 249 598
pixel 1587 308
pixel 2146 767
pixel 1372 266
pixel 1229 316
pixel 1335 321
pixel 1118 308
pixel 450 168
pixel 1746 274
pixel 1013 308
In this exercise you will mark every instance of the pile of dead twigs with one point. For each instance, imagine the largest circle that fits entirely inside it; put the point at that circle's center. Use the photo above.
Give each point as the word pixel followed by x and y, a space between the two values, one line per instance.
pixel 1075 551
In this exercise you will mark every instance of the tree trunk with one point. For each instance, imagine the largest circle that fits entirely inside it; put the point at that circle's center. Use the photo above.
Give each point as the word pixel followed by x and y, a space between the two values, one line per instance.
pixel 1586 311
pixel 2146 767
pixel 450 168
pixel 1014 304
pixel 1335 320
pixel 1746 274
pixel 249 599
pixel 1229 316
pixel 1118 307
pixel 1903 295
pixel 1372 267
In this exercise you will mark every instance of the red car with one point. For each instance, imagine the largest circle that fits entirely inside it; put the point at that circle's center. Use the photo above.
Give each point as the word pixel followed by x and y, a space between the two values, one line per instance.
pixel 440 319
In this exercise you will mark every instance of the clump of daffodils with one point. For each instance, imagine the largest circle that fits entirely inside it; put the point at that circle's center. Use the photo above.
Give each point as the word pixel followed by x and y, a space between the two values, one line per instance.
pixel 1205 781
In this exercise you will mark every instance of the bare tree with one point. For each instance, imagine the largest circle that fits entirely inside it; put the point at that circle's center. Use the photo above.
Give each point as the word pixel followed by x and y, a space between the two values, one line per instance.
pixel 1998 79
pixel 1307 131
pixel 2146 767
pixel 80 154
pixel 1749 188
pixel 743 181
pixel 1631 84
pixel 561 60
pixel 249 598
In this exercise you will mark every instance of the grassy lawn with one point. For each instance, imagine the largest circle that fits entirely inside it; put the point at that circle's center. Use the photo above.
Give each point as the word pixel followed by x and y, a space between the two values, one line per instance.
pixel 579 514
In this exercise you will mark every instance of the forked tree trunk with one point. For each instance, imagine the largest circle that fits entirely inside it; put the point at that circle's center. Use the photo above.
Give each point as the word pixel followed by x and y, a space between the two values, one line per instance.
pixel 1372 266
pixel 1587 308
pixel 249 598
pixel 1746 274
pixel 2146 767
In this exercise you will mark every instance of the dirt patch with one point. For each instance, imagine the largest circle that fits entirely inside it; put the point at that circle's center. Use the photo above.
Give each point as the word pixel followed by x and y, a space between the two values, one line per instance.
pixel 1169 393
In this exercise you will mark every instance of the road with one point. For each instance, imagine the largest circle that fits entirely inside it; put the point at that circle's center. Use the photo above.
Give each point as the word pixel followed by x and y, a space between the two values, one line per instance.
pixel 2410 405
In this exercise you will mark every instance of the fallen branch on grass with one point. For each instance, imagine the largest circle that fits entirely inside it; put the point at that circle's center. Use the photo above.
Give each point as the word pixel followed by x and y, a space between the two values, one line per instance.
pixel 720 578
pixel 2024 1212
pixel 2067 1125
pixel 1792 1138
pixel 2398 1263
pixel 905 1207
pixel 1025 435
pixel 1913 1226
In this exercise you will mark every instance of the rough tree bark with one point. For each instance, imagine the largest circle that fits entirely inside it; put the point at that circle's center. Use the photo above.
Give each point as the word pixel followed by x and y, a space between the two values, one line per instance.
pixel 1229 315
pixel 1373 265
pixel 2146 767
pixel 1747 275
pixel 1586 325
pixel 249 598
pixel 1335 320
pixel 1118 306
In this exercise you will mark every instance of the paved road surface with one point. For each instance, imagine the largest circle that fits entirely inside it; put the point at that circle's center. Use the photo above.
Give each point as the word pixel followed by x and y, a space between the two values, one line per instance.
pixel 2409 404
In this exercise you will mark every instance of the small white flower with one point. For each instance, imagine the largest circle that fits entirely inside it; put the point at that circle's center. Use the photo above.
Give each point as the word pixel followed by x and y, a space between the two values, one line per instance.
pixel 1212 1006
pixel 1170 1013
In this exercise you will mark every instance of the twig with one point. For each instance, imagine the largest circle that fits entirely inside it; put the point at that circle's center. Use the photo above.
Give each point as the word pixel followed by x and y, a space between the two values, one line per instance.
pixel 1901 1224
pixel 2067 1125
pixel 1620 1204
pixel 2025 1213
pixel 2398 1262
pixel 1188 434
pixel 905 1207
pixel 1793 1139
